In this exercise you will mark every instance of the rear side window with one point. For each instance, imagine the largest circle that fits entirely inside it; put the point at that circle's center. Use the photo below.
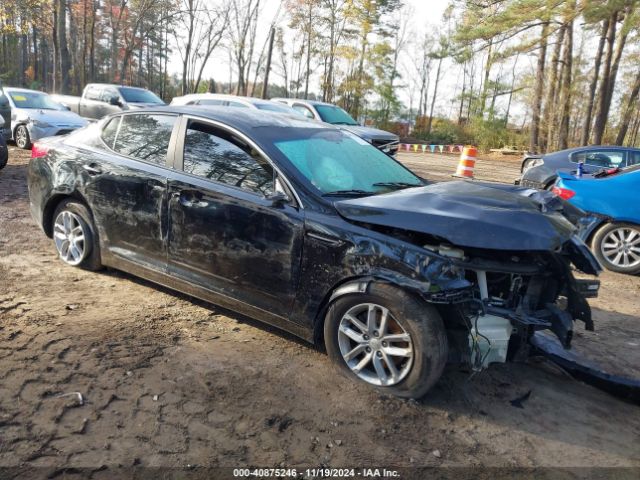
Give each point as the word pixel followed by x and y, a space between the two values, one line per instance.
pixel 145 137
pixel 599 158
pixel 110 131
pixel 214 154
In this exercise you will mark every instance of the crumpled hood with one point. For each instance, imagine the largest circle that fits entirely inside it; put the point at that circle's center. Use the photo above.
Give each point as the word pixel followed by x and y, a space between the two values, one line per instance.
pixel 370 133
pixel 53 117
pixel 470 214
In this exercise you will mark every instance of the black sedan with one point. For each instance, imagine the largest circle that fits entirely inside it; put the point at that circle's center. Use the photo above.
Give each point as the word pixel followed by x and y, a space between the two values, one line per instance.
pixel 540 171
pixel 310 228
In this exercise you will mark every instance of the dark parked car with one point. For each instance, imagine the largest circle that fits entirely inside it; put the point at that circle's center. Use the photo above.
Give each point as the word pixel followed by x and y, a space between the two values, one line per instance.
pixel 5 115
pixel 540 171
pixel 4 152
pixel 312 229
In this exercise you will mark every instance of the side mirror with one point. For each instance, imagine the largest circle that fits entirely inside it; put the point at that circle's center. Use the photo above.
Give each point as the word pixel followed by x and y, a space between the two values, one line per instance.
pixel 278 199
pixel 115 101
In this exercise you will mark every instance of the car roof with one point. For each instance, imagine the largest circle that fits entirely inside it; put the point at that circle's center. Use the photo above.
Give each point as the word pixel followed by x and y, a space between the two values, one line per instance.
pixel 243 119
pixel 302 100
pixel 225 96
pixel 114 85
pixel 18 89
pixel 593 147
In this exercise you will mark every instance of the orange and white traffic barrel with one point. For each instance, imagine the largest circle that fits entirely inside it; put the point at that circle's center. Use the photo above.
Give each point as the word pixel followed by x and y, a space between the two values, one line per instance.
pixel 467 162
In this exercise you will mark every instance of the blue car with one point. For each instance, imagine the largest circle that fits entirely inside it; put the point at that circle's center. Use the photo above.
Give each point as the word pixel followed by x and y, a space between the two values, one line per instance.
pixel 611 199
pixel 539 171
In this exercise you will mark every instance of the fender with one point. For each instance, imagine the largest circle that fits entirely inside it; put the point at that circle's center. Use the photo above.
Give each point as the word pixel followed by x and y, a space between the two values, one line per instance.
pixel 361 285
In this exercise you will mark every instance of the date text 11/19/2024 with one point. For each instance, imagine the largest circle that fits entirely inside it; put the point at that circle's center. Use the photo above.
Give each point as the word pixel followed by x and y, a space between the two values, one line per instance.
pixel 315 473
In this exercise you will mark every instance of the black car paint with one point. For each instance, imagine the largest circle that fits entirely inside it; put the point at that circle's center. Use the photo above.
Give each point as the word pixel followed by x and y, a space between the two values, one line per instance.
pixel 282 263
pixel 543 176
pixel 466 214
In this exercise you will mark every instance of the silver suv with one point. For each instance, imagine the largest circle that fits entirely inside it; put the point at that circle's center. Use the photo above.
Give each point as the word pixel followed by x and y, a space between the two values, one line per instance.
pixel 328 113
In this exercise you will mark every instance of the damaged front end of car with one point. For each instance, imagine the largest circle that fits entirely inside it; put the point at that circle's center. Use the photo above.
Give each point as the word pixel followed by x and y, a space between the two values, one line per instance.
pixel 499 265
pixel 509 296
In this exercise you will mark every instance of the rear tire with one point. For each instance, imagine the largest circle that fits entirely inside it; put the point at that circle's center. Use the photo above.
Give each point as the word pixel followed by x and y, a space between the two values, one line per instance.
pixel 22 137
pixel 75 236
pixel 383 348
pixel 617 243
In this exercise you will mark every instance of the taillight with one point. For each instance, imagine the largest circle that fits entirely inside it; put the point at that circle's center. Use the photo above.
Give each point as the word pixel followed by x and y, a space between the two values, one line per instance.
pixel 563 193
pixel 38 151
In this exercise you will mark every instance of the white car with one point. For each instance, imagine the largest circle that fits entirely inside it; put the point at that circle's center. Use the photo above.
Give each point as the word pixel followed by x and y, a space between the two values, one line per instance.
pixel 35 115
pixel 234 101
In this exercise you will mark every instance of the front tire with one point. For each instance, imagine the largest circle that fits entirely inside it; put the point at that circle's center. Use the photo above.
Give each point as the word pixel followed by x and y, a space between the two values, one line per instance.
pixel 22 137
pixel 387 338
pixel 75 236
pixel 617 247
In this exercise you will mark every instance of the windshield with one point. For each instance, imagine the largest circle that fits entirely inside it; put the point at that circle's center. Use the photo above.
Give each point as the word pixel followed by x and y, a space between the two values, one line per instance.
pixel 138 95
pixel 334 115
pixel 337 162
pixel 34 100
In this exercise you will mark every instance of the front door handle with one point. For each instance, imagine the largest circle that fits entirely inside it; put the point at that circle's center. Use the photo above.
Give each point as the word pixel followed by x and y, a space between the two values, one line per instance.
pixel 92 169
pixel 190 198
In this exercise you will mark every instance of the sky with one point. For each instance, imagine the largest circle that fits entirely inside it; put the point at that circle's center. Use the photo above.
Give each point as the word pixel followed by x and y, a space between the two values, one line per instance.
pixel 427 15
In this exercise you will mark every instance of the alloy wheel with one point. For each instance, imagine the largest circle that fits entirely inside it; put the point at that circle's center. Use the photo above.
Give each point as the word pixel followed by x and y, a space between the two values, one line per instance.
pixel 621 247
pixel 21 137
pixel 374 345
pixel 69 237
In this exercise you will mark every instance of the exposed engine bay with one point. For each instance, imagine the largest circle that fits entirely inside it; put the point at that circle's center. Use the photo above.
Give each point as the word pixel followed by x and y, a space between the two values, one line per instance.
pixel 510 297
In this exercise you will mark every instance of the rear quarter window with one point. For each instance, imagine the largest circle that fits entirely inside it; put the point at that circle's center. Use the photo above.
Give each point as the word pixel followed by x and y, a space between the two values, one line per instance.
pixel 145 137
pixel 110 131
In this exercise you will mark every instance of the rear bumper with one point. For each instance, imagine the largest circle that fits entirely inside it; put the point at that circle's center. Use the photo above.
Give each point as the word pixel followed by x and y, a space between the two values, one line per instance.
pixel 531 184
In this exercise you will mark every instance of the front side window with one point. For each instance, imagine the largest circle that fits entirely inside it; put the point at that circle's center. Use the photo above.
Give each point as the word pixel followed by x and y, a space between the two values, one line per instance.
pixel 108 94
pixel 335 115
pixel 214 154
pixel 145 137
pixel 303 110
pixel 599 158
pixel 338 162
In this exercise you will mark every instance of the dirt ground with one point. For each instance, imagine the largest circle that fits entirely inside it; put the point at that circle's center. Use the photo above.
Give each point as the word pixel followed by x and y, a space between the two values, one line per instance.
pixel 168 381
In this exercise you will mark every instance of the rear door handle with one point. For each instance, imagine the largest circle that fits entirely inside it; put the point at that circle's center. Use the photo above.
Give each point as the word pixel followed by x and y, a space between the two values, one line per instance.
pixel 92 169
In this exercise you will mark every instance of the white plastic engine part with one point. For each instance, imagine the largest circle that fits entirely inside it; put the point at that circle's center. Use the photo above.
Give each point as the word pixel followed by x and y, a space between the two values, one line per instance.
pixel 490 343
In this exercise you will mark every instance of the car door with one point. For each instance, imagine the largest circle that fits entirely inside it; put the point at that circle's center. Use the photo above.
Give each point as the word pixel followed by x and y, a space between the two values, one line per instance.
pixel 225 234
pixel 126 186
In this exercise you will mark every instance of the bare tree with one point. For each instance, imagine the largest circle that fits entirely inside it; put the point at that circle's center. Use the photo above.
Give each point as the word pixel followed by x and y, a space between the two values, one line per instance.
pixel 204 27
pixel 242 35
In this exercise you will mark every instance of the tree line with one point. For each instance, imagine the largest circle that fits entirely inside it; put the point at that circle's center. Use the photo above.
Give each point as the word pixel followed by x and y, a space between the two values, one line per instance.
pixel 545 74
